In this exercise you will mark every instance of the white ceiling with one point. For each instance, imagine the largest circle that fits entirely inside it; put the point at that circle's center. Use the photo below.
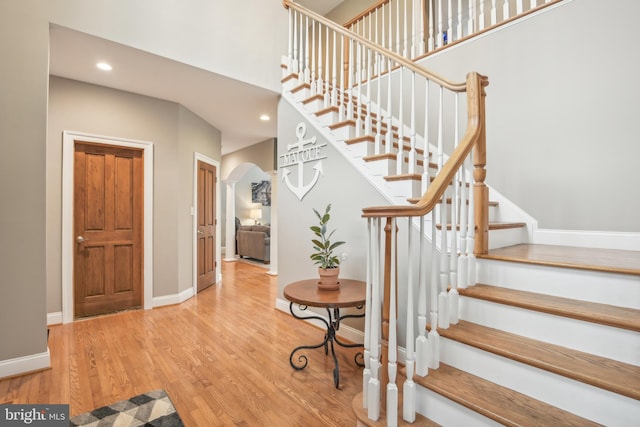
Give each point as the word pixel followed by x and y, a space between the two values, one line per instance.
pixel 229 105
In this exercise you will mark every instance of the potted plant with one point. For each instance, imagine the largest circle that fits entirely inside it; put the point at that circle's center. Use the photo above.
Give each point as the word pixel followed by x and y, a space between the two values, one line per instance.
pixel 328 263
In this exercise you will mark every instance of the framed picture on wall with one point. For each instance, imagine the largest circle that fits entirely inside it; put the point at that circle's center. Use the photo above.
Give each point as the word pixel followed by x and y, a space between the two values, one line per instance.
pixel 261 193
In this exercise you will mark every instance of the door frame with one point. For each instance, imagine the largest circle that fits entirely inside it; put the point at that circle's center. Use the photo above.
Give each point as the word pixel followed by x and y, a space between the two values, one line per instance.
pixel 194 219
pixel 68 149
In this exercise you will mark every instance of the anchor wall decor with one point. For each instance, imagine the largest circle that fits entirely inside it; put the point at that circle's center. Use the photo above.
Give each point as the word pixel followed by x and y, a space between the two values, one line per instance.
pixel 301 152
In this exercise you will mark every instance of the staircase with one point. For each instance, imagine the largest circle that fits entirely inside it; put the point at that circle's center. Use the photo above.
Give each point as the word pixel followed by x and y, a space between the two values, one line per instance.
pixel 538 334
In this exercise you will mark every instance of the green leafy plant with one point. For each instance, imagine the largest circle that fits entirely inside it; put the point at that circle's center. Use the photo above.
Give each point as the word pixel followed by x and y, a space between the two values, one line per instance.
pixel 323 255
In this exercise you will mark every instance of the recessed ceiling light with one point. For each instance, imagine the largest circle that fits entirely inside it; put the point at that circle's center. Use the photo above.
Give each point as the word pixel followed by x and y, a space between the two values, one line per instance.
pixel 265 118
pixel 104 66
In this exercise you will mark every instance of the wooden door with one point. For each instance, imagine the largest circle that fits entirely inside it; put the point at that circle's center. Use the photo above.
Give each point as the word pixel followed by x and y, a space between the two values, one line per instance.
pixel 206 233
pixel 108 229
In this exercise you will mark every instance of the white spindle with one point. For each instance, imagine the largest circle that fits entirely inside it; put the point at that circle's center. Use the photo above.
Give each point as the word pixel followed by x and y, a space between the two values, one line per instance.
pixel 398 47
pixel 440 41
pixel 334 72
pixel 449 37
pixel 422 345
pixel 358 116
pixel 459 23
pixel 470 26
pixel 350 83
pixel 294 65
pixel 533 4
pixel 341 106
pixel 434 338
pixel 373 392
pixel 389 118
pixel 367 122
pixel 377 145
pixel 426 176
pixel 307 43
pixel 290 43
pixel 421 24
pixel 413 158
pixel 371 261
pixel 494 13
pixel 314 87
pixel 443 303
pixel 463 274
pixel 392 353
pixel 327 92
pixel 481 17
pixel 506 12
pixel 519 7
pixel 400 152
pixel 408 389
pixel 431 43
pixel 453 265
pixel 471 257
pixel 320 83
pixel 405 50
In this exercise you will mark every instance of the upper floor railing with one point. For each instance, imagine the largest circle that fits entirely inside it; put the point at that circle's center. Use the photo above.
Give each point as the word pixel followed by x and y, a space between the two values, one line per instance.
pixel 413 28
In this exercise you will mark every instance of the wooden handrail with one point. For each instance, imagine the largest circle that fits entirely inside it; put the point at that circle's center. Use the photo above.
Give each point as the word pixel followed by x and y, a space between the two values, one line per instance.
pixel 474 136
pixel 365 12
pixel 402 61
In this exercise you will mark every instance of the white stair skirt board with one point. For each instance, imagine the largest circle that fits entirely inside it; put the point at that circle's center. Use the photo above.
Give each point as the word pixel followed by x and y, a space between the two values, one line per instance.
pixel 605 341
pixel 448 413
pixel 573 396
pixel 621 290
pixel 25 364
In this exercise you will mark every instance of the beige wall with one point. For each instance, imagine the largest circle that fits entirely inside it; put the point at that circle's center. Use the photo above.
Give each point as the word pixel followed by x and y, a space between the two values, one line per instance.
pixel 176 134
pixel 260 154
pixel 23 132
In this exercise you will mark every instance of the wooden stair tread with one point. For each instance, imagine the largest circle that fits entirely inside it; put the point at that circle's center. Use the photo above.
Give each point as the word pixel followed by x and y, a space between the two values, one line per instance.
pixel 617 377
pixel 604 314
pixel 501 404
pixel 362 416
pixel 606 260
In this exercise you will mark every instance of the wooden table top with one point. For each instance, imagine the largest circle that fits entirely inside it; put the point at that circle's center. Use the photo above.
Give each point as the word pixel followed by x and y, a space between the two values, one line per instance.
pixel 306 292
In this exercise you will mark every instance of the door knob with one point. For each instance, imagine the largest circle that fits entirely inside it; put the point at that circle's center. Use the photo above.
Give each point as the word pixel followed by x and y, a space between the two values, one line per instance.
pixel 200 232
pixel 80 239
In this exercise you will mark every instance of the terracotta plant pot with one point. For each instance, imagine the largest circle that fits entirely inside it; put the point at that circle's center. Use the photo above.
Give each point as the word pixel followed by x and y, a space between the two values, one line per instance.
pixel 329 279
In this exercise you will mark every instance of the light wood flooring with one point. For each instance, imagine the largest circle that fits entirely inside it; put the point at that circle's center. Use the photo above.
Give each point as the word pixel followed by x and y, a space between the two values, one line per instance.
pixel 223 358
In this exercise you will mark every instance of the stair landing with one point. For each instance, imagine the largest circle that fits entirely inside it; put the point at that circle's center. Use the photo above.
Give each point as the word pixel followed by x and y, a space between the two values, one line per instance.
pixel 605 260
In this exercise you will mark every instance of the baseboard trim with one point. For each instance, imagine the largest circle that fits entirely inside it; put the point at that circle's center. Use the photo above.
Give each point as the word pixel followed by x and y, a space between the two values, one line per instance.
pixel 173 299
pixel 54 318
pixel 25 364
pixel 588 239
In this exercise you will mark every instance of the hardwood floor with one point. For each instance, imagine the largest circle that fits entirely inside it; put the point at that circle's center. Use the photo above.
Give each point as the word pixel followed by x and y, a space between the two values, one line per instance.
pixel 223 358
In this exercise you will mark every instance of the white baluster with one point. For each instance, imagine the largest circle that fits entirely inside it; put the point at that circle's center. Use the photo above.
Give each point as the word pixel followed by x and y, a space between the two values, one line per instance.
pixel 441 37
pixel 506 12
pixel 405 50
pixel 413 157
pixel 459 24
pixel 373 392
pixel 422 344
pixel 472 14
pixel 434 337
pixel 481 17
pixel 320 83
pixel 314 87
pixel 409 388
pixel 463 274
pixel 327 92
pixel 471 258
pixel 519 7
pixel 421 25
pixel 290 44
pixel 371 262
pixel 294 64
pixel 426 176
pixel 358 103
pixel 334 74
pixel 494 13
pixel 400 152
pixel 341 106
pixel 378 139
pixel 453 266
pixel 392 353
pixel 351 83
pixel 307 43
pixel 443 303
pixel 449 37
pixel 398 47
pixel 367 123
pixel 533 4
pixel 389 118
pixel 431 42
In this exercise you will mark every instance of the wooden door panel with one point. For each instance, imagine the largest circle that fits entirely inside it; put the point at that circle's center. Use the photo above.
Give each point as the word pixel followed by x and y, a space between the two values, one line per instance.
pixel 206 237
pixel 108 220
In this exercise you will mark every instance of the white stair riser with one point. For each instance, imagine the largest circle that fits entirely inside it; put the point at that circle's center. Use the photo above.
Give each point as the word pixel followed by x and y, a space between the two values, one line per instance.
pixel 448 413
pixel 301 94
pixel 406 188
pixel 360 149
pixel 315 105
pixel 328 118
pixel 601 340
pixel 600 287
pixel 343 133
pixel 584 400
pixel 383 167
pixel 507 237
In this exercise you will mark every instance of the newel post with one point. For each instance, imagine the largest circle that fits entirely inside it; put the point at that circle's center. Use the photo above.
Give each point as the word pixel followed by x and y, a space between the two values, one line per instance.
pixel 476 93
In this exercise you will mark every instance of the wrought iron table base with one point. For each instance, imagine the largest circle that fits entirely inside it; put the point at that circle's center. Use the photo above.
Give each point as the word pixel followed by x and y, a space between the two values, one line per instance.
pixel 333 324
